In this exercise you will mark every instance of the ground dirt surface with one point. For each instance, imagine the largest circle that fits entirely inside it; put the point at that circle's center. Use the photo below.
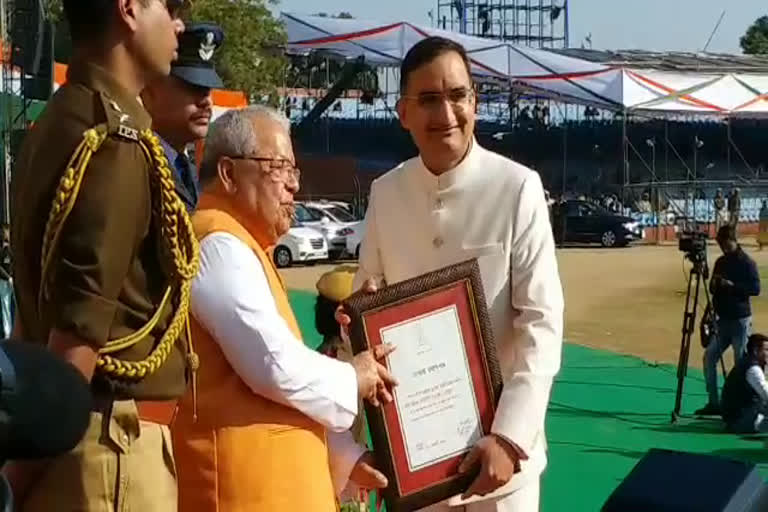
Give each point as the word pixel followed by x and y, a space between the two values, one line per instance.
pixel 627 300
pixel 612 398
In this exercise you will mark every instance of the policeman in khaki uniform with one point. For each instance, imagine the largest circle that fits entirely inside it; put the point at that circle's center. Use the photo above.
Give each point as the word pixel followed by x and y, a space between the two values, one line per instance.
pixel 104 256
pixel 181 105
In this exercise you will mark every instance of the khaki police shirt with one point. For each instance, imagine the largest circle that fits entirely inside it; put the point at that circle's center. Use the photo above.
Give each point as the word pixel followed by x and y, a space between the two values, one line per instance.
pixel 107 278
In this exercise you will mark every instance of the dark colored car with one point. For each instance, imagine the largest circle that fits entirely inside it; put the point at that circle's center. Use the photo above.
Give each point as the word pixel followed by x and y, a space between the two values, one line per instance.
pixel 584 222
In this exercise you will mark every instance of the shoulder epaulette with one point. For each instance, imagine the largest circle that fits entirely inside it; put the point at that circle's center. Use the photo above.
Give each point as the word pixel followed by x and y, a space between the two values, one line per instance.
pixel 118 122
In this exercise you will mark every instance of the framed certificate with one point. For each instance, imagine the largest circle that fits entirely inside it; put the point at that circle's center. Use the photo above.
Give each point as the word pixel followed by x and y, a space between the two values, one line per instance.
pixel 449 380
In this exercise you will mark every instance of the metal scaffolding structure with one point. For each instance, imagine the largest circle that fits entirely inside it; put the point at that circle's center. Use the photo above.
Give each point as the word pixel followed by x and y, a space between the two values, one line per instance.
pixel 27 77
pixel 12 111
pixel 535 23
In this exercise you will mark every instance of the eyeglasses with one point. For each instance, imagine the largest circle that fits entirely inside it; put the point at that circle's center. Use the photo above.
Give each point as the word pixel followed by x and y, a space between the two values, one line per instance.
pixel 460 97
pixel 280 169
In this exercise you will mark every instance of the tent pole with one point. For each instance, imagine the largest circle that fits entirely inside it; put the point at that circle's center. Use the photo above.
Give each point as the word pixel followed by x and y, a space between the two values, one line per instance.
pixel 728 142
pixel 732 144
pixel 666 150
pixel 625 153
pixel 695 177
pixel 565 151
pixel 509 81
pixel 565 177
pixel 327 118
pixel 655 194
pixel 386 88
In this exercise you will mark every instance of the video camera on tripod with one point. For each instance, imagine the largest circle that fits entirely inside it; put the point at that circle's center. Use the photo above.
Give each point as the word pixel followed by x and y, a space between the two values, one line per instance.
pixel 694 245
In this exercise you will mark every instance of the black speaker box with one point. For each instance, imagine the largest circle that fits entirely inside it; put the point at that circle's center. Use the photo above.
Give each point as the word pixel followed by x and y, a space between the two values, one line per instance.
pixel 669 481
pixel 27 28
pixel 39 86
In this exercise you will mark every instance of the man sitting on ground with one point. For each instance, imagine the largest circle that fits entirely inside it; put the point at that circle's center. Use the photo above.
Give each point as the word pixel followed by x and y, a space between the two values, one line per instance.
pixel 745 394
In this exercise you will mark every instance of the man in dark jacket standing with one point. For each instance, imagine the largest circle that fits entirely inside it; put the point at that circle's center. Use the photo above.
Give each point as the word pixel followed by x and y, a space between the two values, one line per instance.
pixel 734 280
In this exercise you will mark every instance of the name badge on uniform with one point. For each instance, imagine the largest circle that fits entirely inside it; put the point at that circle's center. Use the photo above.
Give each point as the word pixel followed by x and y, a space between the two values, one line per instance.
pixel 128 132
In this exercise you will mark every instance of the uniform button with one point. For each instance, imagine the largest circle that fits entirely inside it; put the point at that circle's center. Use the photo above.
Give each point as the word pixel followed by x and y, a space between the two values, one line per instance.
pixel 437 242
pixel 125 438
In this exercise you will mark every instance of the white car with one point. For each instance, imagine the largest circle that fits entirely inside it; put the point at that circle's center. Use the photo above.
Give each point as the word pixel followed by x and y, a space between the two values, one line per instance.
pixel 301 244
pixel 354 239
pixel 335 222
pixel 347 207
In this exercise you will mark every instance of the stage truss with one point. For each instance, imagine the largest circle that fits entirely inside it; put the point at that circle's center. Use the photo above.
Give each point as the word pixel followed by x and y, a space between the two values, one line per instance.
pixel 535 23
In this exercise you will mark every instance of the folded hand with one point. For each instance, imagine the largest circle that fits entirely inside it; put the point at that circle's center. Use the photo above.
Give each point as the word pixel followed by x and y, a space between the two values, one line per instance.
pixel 374 382
pixel 499 460
pixel 366 475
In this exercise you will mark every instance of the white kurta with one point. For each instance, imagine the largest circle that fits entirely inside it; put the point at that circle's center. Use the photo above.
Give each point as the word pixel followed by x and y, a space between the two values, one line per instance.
pixel 231 298
pixel 493 209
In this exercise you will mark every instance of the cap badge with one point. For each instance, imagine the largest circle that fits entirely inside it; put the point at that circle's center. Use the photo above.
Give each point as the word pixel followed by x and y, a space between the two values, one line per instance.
pixel 207 47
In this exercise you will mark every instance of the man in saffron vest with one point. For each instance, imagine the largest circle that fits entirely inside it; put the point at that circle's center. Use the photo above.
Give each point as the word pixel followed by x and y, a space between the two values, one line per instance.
pixel 267 426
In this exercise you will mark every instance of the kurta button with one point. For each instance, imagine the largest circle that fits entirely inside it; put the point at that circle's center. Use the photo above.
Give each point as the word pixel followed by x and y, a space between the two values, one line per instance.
pixel 437 242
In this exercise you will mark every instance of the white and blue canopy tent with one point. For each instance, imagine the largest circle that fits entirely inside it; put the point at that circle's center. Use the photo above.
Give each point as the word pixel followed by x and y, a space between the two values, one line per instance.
pixel 639 85
pixel 386 45
pixel 724 88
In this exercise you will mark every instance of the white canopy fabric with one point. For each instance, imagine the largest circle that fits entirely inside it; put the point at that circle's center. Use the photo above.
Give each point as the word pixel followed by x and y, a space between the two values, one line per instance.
pixel 387 45
pixel 667 92
pixel 649 91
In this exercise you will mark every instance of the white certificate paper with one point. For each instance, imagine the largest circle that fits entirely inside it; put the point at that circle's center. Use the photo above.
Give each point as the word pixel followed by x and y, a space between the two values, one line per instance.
pixel 435 398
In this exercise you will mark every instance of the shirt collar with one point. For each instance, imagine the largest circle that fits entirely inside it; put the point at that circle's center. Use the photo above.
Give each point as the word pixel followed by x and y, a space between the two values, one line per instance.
pixel 170 153
pixel 453 176
pixel 99 79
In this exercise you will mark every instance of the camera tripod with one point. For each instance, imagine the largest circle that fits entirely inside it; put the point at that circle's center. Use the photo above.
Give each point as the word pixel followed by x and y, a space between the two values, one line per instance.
pixel 699 272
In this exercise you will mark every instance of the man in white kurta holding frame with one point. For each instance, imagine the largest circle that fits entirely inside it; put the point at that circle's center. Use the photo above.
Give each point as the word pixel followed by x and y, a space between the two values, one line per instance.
pixel 457 201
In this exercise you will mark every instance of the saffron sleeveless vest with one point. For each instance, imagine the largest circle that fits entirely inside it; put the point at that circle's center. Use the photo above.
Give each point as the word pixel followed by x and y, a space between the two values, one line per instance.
pixel 245 453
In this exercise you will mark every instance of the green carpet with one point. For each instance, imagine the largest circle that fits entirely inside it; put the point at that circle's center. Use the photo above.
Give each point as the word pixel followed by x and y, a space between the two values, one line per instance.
pixel 606 411
pixel 303 304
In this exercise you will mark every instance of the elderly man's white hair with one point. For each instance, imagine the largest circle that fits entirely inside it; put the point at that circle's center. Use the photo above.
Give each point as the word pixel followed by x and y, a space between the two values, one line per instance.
pixel 232 134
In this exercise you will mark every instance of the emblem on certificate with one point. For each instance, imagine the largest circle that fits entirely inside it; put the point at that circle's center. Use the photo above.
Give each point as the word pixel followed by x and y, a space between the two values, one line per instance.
pixel 449 380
